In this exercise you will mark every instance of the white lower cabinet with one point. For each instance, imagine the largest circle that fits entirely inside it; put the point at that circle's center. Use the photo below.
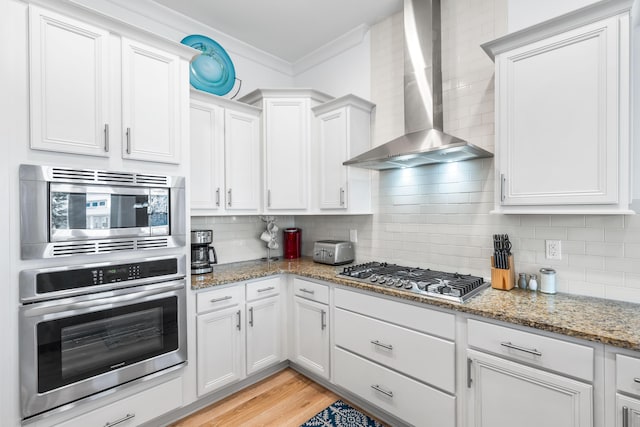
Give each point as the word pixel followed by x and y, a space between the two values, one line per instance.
pixel 627 411
pixel 134 410
pixel 409 400
pixel 234 338
pixel 264 324
pixel 527 378
pixel 220 348
pixel 627 399
pixel 310 328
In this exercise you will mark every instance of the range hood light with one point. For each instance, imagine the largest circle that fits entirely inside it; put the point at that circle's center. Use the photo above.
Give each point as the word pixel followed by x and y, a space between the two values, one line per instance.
pixel 424 141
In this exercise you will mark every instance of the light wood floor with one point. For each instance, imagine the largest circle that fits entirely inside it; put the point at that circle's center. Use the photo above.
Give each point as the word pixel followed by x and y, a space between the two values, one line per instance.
pixel 286 399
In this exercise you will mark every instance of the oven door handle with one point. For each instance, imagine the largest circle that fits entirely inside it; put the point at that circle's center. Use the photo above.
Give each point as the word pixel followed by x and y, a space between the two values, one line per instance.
pixel 101 300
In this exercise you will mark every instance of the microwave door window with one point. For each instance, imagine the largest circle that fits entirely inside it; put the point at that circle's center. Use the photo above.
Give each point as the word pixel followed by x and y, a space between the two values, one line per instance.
pixel 129 211
pixel 159 208
pixel 68 211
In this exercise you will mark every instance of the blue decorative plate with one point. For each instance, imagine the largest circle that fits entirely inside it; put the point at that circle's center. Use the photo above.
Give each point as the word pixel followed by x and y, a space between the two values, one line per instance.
pixel 212 71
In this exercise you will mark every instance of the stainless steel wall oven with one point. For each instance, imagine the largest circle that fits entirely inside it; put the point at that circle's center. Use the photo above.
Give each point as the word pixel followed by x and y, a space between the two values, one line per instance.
pixel 87 329
pixel 65 211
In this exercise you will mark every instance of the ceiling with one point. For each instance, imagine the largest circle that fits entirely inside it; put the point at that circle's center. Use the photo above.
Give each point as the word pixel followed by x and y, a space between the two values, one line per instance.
pixel 288 29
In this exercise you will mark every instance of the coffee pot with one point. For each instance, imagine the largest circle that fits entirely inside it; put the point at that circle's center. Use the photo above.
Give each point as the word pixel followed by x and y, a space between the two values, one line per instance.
pixel 203 254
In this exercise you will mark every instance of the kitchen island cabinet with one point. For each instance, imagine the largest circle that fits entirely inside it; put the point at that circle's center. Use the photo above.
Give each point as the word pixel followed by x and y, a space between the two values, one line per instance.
pixel 118 93
pixel 563 114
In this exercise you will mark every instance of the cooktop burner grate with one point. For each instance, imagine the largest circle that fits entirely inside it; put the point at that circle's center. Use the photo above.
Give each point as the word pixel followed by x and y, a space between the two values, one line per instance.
pixel 451 286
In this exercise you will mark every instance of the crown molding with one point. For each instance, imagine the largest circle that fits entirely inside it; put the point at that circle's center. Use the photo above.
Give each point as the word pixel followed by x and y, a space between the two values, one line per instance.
pixel 335 47
pixel 157 18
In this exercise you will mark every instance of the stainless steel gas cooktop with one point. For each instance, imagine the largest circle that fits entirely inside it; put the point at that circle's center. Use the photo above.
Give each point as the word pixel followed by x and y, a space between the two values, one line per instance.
pixel 438 284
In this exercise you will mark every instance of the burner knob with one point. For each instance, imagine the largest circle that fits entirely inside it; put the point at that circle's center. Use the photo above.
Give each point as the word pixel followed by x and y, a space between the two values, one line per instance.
pixel 398 283
pixel 374 278
pixel 407 284
pixel 382 280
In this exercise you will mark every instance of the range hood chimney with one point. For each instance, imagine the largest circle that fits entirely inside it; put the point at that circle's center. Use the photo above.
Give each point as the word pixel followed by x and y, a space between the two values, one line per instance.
pixel 424 141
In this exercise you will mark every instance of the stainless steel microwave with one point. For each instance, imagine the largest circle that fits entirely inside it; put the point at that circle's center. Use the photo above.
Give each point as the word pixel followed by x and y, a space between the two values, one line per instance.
pixel 65 211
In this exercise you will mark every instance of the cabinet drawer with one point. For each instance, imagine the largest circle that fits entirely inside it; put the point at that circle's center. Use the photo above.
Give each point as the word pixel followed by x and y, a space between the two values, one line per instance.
pixel 136 409
pixel 263 288
pixel 564 357
pixel 628 374
pixel 419 318
pixel 401 396
pixel 398 348
pixel 311 290
pixel 219 298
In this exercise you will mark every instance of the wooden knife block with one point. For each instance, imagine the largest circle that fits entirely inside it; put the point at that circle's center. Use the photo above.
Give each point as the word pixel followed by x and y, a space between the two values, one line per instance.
pixel 503 279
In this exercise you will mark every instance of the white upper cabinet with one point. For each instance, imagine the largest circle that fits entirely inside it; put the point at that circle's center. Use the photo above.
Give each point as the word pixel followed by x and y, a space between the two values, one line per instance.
pixel 95 91
pixel 69 93
pixel 344 130
pixel 225 156
pixel 562 114
pixel 151 106
pixel 288 131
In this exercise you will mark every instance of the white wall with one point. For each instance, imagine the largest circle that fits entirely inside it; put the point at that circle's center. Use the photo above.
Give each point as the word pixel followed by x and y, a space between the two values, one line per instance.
pixel 438 216
pixel 524 13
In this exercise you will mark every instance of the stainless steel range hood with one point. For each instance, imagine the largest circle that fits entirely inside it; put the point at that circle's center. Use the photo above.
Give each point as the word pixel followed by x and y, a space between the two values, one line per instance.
pixel 424 141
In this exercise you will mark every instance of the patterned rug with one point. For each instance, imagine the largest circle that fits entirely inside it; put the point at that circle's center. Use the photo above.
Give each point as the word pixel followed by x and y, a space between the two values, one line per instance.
pixel 341 414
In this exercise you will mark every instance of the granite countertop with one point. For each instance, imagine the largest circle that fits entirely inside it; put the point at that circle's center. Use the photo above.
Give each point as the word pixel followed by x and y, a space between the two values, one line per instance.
pixel 610 322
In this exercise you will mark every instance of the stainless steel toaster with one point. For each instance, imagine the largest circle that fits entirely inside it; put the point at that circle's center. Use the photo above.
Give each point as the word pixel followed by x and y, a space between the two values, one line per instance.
pixel 333 252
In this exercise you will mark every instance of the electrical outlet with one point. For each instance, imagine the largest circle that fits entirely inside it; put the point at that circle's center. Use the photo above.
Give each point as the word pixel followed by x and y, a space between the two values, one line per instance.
pixel 553 249
pixel 353 236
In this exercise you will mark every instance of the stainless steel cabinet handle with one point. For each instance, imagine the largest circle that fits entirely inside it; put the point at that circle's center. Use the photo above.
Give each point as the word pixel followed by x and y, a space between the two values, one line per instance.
pixel 636 380
pixel 128 140
pixel 270 288
pixel 376 387
pixel 120 421
pixel 341 196
pixel 523 349
pixel 379 344
pixel 503 182
pixel 106 137
pixel 469 380
pixel 251 316
pixel 229 197
pixel 239 320
pixel 221 299
pixel 307 291
pixel 218 196
pixel 268 198
pixel 625 416
pixel 323 319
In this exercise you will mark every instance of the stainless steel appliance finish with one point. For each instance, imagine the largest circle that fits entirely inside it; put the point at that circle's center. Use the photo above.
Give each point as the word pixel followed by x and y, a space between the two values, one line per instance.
pixel 66 211
pixel 82 332
pixel 333 252
pixel 438 284
pixel 203 255
pixel 424 141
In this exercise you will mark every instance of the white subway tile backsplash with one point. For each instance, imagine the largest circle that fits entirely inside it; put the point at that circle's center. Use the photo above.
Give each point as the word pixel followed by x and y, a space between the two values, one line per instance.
pixel 604 249
pixel 586 234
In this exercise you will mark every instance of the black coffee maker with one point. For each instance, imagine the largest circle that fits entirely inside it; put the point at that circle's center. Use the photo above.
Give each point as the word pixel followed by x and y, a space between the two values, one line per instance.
pixel 203 255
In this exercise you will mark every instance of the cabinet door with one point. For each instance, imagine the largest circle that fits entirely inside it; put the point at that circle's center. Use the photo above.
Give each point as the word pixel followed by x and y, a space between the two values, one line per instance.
pixel 220 349
pixel 69 84
pixel 287 153
pixel 264 341
pixel 151 104
pixel 333 151
pixel 558 119
pixel 207 157
pixel 242 160
pixel 504 394
pixel 311 336
pixel 627 411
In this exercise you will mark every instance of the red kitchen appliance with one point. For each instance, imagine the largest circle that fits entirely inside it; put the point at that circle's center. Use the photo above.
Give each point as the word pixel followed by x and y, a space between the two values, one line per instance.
pixel 292 243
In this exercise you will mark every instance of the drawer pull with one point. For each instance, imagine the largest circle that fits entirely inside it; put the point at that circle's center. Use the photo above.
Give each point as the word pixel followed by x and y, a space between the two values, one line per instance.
pixel 106 137
pixel 307 291
pixel 120 421
pixel 625 416
pixel 469 380
pixel 379 344
pixel 128 133
pixel 636 380
pixel 270 288
pixel 523 349
pixel 376 387
pixel 239 320
pixel 222 299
